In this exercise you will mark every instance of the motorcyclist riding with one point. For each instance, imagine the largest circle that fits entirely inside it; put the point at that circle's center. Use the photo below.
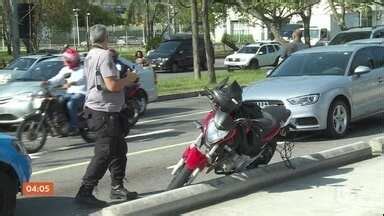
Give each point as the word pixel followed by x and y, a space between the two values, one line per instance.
pixel 72 78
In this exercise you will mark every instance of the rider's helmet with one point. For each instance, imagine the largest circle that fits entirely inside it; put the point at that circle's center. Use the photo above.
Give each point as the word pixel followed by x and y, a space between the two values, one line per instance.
pixel 71 58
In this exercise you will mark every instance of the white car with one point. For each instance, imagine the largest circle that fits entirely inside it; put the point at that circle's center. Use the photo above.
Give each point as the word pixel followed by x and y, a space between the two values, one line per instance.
pixel 254 56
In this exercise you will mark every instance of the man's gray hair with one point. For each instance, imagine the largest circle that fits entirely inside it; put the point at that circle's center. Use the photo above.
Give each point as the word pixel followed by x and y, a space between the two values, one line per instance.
pixel 98 33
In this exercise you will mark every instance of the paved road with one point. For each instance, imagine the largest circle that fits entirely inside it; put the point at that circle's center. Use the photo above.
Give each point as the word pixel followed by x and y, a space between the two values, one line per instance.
pixel 354 190
pixel 155 144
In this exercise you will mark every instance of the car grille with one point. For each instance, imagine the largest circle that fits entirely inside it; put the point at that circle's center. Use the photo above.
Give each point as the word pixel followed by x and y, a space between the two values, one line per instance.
pixel 4 100
pixel 264 103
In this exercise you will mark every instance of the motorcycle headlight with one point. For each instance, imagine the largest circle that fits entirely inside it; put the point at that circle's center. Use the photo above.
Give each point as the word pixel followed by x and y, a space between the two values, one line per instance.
pixel 213 134
pixel 304 100
pixel 19 147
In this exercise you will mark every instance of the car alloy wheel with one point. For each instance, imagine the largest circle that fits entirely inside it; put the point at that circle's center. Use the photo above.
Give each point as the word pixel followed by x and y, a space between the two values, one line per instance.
pixel 340 119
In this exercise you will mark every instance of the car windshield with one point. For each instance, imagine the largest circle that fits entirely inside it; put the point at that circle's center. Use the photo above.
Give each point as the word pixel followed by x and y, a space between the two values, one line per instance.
pixel 345 37
pixel 314 64
pixel 40 72
pixel 21 64
pixel 168 47
pixel 249 49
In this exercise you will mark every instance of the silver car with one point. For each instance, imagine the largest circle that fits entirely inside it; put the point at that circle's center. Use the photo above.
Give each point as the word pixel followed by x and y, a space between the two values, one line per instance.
pixel 20 92
pixel 326 88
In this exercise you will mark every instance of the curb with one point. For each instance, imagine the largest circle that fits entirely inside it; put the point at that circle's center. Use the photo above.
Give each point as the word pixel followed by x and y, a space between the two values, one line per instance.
pixel 179 96
pixel 212 191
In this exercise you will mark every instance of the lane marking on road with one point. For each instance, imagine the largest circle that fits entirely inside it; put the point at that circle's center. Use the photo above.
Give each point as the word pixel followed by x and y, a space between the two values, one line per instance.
pixel 150 133
pixel 169 118
pixel 37 155
pixel 129 154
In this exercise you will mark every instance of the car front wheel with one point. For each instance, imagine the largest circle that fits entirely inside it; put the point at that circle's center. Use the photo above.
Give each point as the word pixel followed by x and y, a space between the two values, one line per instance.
pixel 338 119
pixel 8 190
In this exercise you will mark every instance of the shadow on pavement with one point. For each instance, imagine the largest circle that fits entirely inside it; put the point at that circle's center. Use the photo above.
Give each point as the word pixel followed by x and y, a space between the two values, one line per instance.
pixel 365 127
pixel 307 182
pixel 48 206
pixel 158 112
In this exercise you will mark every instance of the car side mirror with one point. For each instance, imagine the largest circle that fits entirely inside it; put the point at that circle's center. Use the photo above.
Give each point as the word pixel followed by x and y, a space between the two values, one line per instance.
pixel 361 70
pixel 260 53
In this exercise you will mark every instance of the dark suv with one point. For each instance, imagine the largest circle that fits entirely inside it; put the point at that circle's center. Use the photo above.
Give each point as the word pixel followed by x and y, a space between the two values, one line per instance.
pixel 176 54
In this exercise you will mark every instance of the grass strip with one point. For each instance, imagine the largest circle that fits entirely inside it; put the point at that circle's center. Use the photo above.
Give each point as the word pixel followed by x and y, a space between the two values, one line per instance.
pixel 188 83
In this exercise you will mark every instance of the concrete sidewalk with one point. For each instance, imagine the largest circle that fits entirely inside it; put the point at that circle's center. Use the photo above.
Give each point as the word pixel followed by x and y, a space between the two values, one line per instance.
pixel 354 190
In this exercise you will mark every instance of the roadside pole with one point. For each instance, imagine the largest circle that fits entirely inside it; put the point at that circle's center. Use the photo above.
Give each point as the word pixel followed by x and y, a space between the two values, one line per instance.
pixel 13 23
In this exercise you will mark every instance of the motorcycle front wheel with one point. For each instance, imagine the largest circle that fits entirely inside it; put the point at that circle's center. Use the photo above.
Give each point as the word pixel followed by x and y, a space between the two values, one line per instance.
pixel 180 178
pixel 32 135
pixel 134 111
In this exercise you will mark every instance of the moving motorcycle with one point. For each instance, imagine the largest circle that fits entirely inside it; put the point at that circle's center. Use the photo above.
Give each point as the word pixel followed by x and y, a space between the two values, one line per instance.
pixel 51 118
pixel 235 136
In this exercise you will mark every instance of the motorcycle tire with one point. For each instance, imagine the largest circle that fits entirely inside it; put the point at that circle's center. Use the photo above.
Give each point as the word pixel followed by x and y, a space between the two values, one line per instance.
pixel 134 112
pixel 180 178
pixel 30 142
pixel 265 157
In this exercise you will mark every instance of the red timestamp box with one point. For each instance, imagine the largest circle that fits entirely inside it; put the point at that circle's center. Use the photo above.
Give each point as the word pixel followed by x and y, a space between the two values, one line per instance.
pixel 38 189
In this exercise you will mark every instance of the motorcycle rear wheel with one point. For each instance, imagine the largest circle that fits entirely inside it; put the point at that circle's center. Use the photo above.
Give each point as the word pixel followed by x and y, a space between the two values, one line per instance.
pixel 265 157
pixel 180 178
pixel 32 140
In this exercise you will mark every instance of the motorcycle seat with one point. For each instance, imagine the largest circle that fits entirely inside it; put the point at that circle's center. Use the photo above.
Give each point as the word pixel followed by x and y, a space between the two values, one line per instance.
pixel 272 117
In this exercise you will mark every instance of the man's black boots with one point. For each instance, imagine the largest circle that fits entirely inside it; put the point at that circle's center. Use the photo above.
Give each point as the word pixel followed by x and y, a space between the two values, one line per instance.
pixel 85 197
pixel 121 193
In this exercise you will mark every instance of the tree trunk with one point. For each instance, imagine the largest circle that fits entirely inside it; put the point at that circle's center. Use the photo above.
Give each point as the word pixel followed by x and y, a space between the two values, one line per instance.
pixel 275 30
pixel 195 40
pixel 6 34
pixel 340 18
pixel 208 44
pixel 306 17
pixel 14 28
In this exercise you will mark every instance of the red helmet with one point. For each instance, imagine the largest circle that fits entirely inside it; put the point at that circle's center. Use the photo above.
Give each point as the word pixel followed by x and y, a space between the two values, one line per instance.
pixel 71 58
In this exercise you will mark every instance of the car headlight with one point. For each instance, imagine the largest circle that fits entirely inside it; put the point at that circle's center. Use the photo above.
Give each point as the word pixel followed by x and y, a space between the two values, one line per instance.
pixel 304 100
pixel 213 134
pixel 19 147
pixel 163 59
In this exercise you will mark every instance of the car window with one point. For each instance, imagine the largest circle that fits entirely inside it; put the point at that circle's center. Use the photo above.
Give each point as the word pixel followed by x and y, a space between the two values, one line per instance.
pixel 42 71
pixel 363 57
pixel 263 49
pixel 314 64
pixel 168 47
pixel 277 48
pixel 21 64
pixel 270 49
pixel 248 49
pixel 378 34
pixel 345 37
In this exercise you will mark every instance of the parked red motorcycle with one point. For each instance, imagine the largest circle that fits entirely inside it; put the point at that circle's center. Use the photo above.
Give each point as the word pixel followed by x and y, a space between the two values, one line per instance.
pixel 234 136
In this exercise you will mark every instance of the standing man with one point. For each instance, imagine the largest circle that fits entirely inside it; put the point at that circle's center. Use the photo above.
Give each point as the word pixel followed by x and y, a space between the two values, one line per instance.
pixel 104 101
pixel 295 45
